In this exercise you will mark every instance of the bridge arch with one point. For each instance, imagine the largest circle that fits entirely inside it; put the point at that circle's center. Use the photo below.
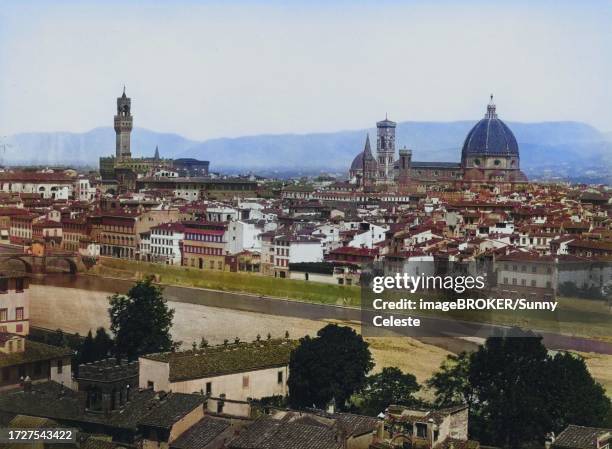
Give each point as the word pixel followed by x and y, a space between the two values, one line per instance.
pixel 28 268
pixel 72 266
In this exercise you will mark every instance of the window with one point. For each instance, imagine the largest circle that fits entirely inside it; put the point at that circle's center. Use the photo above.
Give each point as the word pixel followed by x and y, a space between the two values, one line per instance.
pixel 245 381
pixel 150 385
pixel 533 282
pixel 19 313
pixel 220 407
pixel 279 377
pixel 60 367
pixel 208 388
pixel 3 314
pixel 421 430
pixel 3 285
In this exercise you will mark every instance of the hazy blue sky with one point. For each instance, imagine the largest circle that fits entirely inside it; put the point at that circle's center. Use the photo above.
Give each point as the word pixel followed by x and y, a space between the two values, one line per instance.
pixel 211 69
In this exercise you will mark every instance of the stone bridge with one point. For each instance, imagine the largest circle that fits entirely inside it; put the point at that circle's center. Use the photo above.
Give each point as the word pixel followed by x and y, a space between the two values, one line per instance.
pixel 39 264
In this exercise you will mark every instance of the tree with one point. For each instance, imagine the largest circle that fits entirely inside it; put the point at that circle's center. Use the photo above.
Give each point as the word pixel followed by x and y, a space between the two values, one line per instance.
pixel 86 352
pixel 91 348
pixel 517 392
pixel 391 386
pixel 58 338
pixel 451 384
pixel 508 375
pixel 141 320
pixel 332 365
pixel 103 344
pixel 575 397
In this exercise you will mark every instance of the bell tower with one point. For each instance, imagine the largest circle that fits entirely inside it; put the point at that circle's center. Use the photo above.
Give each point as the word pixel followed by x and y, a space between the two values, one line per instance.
pixel 385 150
pixel 123 126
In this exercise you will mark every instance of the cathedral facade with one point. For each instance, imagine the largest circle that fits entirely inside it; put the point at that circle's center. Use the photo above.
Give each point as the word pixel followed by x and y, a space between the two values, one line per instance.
pixel 489 157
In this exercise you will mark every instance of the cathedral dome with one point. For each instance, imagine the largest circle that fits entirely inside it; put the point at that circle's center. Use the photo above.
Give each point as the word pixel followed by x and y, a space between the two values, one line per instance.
pixel 357 162
pixel 490 136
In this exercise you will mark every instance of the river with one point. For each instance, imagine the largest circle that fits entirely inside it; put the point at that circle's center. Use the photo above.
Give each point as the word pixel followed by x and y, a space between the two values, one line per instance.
pixel 80 303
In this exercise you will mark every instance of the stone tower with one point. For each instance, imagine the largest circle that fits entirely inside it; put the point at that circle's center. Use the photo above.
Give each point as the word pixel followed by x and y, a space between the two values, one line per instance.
pixel 405 161
pixel 385 150
pixel 123 126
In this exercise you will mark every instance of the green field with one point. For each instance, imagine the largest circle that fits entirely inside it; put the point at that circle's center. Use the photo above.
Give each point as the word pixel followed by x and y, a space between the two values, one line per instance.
pixel 231 282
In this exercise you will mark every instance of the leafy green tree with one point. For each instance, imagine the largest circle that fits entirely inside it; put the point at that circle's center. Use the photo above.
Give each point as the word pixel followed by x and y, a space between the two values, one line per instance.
pixel 86 352
pixel 332 365
pixel 141 320
pixel 451 384
pixel 517 392
pixel 390 386
pixel 575 397
pixel 58 338
pixel 91 348
pixel 103 344
pixel 509 379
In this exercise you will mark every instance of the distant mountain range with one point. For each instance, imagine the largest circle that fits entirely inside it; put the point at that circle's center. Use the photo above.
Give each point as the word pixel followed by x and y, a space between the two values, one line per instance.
pixel 568 150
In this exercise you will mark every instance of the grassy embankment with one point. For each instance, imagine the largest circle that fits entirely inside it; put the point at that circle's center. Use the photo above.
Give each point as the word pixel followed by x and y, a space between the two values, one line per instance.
pixel 231 282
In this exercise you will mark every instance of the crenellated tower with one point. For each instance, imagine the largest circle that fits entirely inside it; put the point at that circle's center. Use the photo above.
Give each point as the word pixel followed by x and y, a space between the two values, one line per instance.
pixel 123 126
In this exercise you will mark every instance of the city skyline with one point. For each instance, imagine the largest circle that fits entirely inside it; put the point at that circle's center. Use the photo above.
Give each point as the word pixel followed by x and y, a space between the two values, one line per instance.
pixel 310 72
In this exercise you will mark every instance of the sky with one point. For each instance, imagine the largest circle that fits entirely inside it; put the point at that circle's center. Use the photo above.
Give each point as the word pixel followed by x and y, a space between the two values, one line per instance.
pixel 233 68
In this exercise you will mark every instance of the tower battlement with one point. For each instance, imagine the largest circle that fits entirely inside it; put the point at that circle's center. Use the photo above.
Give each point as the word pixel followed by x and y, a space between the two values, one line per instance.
pixel 123 126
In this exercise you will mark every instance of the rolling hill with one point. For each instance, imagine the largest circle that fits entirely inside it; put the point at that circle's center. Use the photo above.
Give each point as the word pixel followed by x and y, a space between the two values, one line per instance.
pixel 566 148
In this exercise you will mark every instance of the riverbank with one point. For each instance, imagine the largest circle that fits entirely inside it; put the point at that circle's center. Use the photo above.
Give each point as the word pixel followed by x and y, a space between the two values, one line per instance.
pixel 229 282
pixel 574 317
pixel 75 310
pixel 80 303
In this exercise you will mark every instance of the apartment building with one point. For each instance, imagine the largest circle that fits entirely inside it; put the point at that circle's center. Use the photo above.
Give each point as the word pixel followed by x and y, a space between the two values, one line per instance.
pixel 280 250
pixel 22 359
pixel 529 275
pixel 205 245
pixel 20 232
pixel 5 221
pixel 166 241
pixel 74 230
pixel 121 229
